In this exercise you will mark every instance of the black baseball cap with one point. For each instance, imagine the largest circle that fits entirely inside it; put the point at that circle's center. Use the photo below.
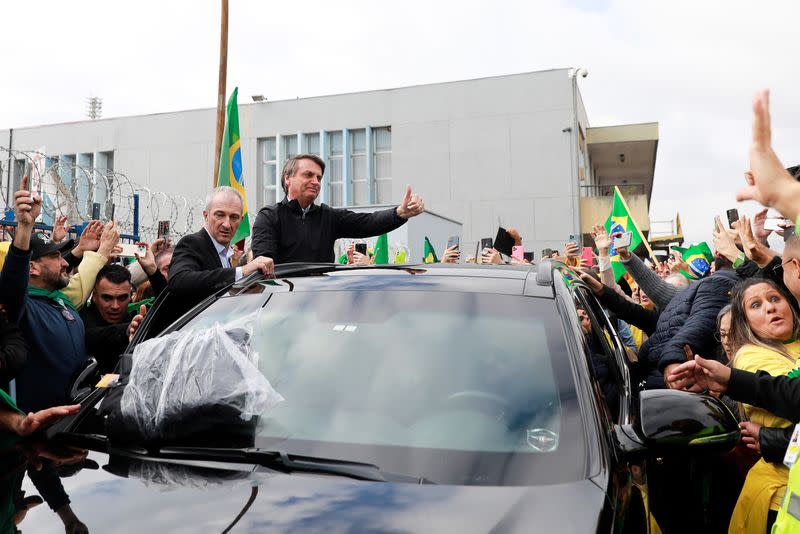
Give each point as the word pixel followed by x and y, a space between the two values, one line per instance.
pixel 43 245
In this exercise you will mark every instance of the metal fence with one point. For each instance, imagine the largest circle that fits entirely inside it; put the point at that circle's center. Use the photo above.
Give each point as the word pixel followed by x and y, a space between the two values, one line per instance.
pixel 80 192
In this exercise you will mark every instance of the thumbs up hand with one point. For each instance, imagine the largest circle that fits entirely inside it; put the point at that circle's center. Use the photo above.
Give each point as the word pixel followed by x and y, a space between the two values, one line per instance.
pixel 411 206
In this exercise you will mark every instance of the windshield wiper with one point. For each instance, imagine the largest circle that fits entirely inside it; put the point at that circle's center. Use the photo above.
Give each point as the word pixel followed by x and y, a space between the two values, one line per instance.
pixel 288 463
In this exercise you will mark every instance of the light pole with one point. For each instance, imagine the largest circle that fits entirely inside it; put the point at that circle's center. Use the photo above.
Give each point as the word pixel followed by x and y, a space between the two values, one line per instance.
pixel 574 139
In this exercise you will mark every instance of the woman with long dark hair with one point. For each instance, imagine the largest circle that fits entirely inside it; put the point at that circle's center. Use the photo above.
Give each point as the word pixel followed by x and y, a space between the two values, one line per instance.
pixel 763 336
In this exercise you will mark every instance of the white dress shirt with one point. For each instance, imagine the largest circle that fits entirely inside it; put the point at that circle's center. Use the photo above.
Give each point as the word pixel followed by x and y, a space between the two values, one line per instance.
pixel 225 254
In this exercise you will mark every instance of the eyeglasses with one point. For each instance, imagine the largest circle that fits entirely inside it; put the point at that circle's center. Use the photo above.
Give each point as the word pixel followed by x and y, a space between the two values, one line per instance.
pixel 720 336
pixel 784 262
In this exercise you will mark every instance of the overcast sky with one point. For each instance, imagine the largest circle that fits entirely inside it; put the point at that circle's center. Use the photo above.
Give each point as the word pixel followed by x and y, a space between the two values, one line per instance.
pixel 691 66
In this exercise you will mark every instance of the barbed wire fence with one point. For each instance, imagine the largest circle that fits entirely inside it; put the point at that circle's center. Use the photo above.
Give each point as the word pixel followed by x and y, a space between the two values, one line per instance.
pixel 79 192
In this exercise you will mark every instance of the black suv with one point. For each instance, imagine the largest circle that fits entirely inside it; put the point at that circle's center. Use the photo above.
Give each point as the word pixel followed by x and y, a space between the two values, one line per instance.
pixel 424 398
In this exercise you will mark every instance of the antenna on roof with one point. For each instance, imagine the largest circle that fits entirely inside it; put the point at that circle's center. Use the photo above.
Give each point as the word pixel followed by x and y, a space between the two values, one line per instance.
pixel 94 107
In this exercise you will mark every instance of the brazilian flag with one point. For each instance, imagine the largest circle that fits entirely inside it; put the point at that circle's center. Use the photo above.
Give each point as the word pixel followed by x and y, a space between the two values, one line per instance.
pixel 621 220
pixel 699 258
pixel 230 163
pixel 429 255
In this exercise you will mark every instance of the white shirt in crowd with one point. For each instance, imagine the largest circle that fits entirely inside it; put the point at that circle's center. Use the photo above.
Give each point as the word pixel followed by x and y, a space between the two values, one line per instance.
pixel 225 254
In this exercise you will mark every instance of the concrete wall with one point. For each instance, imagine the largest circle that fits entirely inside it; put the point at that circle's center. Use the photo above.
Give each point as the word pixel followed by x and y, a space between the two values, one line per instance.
pixel 483 152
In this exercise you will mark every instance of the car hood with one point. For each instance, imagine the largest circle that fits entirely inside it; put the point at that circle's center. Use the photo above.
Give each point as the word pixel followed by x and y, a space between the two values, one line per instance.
pixel 113 495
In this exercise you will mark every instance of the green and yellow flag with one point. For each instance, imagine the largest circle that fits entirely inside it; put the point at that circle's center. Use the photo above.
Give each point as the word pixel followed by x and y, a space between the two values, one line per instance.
pixel 699 258
pixel 382 250
pixel 621 220
pixel 230 163
pixel 429 254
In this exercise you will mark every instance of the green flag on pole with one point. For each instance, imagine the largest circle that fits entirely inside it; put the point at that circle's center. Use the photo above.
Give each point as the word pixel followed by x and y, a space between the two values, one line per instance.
pixel 621 220
pixel 230 163
pixel 382 250
pixel 429 254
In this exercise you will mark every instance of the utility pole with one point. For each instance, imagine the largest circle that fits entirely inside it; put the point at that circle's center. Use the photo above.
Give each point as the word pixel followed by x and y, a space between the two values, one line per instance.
pixel 223 75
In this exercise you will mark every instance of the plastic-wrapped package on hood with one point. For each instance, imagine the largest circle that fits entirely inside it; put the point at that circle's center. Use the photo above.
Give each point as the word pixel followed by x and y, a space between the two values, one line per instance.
pixel 191 381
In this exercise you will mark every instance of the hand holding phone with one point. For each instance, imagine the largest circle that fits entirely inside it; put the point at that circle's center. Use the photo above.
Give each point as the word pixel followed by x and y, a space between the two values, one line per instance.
pixel 733 216
pixel 517 253
pixel 361 248
pixel 623 241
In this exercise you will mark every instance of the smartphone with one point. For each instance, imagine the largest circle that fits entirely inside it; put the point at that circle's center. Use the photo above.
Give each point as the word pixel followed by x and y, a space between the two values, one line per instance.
pixel 528 256
pixel 453 241
pixel 163 229
pixel 733 216
pixel 130 250
pixel 486 242
pixel 113 209
pixel 776 224
pixel 96 211
pixel 788 233
pixel 572 239
pixel 588 255
pixel 518 252
pixel 624 240
pixel 361 248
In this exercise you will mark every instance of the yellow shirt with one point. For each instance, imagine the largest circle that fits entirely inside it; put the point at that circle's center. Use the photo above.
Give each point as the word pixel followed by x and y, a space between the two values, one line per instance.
pixel 81 284
pixel 765 484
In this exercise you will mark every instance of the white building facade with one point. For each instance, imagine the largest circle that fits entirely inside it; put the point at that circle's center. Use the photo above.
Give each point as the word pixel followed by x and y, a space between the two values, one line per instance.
pixel 512 150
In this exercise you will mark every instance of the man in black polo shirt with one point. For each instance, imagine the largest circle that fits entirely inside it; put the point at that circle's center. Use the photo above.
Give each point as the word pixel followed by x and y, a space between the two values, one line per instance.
pixel 297 230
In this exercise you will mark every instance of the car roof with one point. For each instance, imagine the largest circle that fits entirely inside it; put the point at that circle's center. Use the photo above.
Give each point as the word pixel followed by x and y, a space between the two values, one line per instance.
pixel 500 279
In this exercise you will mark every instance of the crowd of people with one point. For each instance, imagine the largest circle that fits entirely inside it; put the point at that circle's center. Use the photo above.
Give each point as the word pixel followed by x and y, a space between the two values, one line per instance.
pixel 725 324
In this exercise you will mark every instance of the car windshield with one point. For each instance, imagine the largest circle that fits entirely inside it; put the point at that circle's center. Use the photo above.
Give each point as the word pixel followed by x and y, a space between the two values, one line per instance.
pixel 461 388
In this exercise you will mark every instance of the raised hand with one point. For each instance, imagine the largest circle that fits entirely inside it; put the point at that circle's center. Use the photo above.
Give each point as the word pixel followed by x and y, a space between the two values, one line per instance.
pixel 451 255
pixel 723 242
pixel 109 239
pixel 759 219
pixel 60 229
pixel 490 255
pixel 753 249
pixel 768 182
pixel 148 261
pixel 28 204
pixel 601 239
pixel 90 237
pixel 136 321
pixel 571 250
pixel 411 206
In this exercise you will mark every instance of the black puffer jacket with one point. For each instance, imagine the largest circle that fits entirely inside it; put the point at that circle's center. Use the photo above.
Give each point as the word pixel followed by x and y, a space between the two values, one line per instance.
pixel 689 319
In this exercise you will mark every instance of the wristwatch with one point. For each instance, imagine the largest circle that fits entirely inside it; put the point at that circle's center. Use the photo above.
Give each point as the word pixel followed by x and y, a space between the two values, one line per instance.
pixel 740 259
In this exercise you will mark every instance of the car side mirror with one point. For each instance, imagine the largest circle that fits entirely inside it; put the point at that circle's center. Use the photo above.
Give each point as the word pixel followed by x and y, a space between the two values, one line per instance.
pixel 677 420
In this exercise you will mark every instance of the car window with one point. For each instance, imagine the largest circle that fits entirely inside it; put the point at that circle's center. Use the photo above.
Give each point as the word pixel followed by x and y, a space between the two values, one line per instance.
pixel 597 342
pixel 426 382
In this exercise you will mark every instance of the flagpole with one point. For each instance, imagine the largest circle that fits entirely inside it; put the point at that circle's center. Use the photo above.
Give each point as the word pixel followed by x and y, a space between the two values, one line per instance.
pixel 223 75
pixel 644 239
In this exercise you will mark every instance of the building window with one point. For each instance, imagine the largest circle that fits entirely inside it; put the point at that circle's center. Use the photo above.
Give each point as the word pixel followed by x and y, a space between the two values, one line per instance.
pixel 383 164
pixel 312 143
pixel 269 170
pixel 335 166
pixel 358 164
pixel 289 146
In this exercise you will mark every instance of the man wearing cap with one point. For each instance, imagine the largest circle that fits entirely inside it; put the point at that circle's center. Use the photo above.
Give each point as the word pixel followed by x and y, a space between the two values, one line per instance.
pixel 33 277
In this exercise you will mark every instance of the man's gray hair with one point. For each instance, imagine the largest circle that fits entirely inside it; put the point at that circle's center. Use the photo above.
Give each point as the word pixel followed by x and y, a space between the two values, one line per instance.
pixel 223 189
